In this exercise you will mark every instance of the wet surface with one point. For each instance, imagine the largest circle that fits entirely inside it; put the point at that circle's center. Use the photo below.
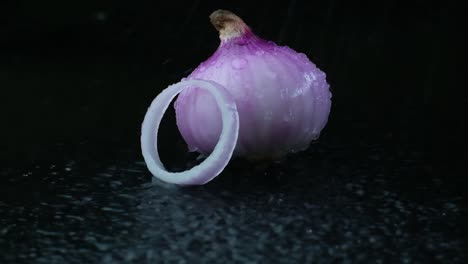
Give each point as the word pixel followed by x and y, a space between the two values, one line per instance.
pixel 350 203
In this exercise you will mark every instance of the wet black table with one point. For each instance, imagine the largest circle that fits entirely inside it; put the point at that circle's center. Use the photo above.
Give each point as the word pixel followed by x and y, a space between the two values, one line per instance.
pixel 341 202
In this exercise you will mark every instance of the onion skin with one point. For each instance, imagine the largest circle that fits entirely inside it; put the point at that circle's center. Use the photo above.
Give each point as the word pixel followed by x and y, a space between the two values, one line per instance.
pixel 282 98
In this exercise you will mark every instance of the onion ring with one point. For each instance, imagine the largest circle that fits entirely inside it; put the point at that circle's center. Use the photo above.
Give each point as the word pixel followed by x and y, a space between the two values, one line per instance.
pixel 214 164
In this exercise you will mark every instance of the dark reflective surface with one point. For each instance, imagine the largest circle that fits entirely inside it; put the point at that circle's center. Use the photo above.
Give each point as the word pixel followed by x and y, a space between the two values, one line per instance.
pixel 76 82
pixel 338 201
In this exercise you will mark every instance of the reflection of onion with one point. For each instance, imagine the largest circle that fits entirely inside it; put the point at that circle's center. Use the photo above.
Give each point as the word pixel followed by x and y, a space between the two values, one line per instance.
pixel 282 101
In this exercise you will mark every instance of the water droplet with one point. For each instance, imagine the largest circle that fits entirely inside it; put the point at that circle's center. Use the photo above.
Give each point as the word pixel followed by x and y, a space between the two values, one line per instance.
pixel 302 56
pixel 297 92
pixel 238 63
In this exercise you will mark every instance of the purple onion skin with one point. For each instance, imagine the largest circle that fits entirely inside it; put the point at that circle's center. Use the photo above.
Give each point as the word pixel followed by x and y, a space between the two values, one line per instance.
pixel 283 99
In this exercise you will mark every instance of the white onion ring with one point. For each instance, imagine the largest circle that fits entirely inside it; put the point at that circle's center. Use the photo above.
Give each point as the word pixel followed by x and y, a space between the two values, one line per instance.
pixel 222 153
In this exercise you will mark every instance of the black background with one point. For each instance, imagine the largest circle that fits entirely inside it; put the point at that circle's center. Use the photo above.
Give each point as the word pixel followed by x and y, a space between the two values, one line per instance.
pixel 87 70
pixel 76 77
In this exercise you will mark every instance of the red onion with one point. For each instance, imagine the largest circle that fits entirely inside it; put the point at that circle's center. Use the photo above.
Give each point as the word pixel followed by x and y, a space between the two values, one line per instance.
pixel 251 98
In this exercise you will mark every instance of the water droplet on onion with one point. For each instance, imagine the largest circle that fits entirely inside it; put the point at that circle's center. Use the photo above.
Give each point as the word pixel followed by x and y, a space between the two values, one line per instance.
pixel 259 52
pixel 239 63
pixel 303 56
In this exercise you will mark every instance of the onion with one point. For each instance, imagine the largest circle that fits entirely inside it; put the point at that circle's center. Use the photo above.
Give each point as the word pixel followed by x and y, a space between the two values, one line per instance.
pixel 279 98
